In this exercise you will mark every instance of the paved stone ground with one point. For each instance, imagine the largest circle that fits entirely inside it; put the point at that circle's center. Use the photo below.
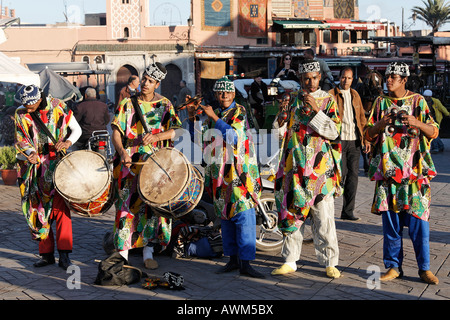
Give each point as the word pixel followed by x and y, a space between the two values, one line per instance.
pixel 360 245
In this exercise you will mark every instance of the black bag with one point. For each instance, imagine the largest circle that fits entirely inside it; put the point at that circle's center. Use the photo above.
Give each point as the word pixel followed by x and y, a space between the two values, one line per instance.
pixel 115 271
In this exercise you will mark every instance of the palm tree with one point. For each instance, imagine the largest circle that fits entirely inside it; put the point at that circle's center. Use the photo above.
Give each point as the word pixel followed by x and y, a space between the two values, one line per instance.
pixel 435 13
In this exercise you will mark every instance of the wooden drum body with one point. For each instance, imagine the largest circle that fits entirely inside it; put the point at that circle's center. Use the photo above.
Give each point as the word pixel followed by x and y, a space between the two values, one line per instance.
pixel 169 183
pixel 84 180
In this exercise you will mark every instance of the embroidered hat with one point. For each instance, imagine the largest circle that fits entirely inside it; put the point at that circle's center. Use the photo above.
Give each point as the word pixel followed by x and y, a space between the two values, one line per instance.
pixel 400 68
pixel 224 84
pixel 29 95
pixel 309 66
pixel 156 71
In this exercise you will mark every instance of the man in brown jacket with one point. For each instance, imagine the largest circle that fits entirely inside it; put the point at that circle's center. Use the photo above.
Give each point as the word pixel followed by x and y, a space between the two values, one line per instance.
pixel 129 90
pixel 353 119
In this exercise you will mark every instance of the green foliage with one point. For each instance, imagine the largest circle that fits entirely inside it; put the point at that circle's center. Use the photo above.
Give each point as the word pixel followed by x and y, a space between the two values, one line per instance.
pixel 434 13
pixel 7 157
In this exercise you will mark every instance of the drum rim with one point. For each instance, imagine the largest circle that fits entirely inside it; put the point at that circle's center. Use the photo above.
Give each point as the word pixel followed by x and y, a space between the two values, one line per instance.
pixel 189 171
pixel 84 200
pixel 165 213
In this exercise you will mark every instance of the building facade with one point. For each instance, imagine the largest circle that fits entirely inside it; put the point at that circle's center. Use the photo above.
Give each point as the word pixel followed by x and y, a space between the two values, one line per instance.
pixel 220 37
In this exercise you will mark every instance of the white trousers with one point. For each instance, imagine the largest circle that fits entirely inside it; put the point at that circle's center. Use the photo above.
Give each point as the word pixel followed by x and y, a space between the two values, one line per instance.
pixel 323 230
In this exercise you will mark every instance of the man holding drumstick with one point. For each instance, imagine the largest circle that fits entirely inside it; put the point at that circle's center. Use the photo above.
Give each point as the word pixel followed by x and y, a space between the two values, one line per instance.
pixel 136 225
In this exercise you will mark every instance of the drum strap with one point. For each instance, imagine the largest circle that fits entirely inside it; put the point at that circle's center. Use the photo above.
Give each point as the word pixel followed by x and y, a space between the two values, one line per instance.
pixel 138 111
pixel 43 127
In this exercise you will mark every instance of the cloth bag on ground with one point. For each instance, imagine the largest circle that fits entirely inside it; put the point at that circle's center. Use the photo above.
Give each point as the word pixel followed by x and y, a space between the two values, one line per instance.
pixel 116 271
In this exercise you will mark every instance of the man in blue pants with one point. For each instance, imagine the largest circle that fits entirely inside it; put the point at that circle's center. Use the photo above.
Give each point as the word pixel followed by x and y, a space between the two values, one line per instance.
pixel 231 175
pixel 403 168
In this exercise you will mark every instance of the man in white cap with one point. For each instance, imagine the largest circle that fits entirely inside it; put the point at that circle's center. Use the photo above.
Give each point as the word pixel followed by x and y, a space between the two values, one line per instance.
pixel 136 225
pixel 438 112
pixel 400 128
pixel 42 135
pixel 309 174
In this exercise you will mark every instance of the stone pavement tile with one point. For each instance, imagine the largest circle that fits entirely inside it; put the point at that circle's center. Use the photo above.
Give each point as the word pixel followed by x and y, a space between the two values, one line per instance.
pixel 360 242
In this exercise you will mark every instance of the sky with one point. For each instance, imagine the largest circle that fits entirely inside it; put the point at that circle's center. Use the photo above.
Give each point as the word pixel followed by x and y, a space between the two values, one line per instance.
pixel 174 11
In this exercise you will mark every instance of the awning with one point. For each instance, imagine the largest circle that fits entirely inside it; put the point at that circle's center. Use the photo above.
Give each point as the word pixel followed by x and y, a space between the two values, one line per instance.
pixel 332 25
pixel 412 41
pixel 11 71
pixel 67 68
pixel 353 25
pixel 333 62
pixel 301 24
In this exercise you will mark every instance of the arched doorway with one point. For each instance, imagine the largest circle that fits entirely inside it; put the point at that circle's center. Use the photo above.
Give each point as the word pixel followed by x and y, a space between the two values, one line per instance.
pixel 170 86
pixel 124 73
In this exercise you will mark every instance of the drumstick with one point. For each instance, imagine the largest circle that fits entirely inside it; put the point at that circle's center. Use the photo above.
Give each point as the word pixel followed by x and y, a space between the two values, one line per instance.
pixel 137 163
pixel 144 163
pixel 155 154
pixel 22 153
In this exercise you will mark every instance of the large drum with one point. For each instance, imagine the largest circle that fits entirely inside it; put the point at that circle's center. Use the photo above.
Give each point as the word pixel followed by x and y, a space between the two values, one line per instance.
pixel 169 184
pixel 84 180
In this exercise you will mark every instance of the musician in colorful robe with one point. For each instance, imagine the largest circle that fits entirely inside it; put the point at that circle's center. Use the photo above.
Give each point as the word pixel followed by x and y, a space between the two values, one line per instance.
pixel 136 225
pixel 231 175
pixel 309 174
pixel 39 155
pixel 402 168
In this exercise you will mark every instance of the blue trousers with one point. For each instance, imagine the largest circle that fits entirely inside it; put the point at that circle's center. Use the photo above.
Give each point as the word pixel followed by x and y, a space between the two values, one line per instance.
pixel 239 235
pixel 419 232
pixel 437 145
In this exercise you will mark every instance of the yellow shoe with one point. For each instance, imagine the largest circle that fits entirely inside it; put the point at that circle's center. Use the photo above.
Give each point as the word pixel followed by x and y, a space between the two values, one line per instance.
pixel 151 264
pixel 429 277
pixel 391 274
pixel 284 269
pixel 332 272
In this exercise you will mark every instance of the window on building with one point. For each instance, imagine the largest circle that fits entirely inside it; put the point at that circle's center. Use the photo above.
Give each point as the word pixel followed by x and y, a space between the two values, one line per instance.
pixel 345 36
pixel 326 34
pixel 125 1
pixel 334 36
pixel 98 59
pixel 262 41
pixel 296 38
pixel 86 59
pixel 354 36
pixel 126 32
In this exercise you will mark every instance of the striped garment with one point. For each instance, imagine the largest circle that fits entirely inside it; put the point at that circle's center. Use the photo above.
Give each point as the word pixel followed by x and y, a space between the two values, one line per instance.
pixel 402 166
pixel 310 165
pixel 36 180
pixel 135 223
pixel 233 177
pixel 348 118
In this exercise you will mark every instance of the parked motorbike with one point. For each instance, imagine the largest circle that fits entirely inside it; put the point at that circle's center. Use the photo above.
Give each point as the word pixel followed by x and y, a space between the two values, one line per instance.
pixel 99 142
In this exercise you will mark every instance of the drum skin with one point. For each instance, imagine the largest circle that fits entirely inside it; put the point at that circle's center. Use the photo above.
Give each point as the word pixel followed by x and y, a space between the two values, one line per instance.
pixel 170 184
pixel 84 180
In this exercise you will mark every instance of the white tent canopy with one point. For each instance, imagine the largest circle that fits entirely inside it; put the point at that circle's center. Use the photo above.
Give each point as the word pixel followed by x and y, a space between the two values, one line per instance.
pixel 11 71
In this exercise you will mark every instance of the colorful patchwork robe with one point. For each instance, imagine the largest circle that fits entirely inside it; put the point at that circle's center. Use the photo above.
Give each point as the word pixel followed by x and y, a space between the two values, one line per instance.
pixel 402 166
pixel 310 165
pixel 232 174
pixel 135 223
pixel 36 180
